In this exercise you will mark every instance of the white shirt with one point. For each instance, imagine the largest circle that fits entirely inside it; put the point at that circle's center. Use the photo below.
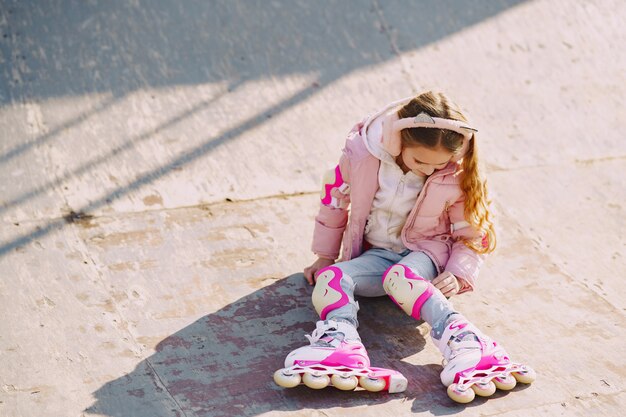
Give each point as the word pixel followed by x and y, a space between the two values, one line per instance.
pixel 394 199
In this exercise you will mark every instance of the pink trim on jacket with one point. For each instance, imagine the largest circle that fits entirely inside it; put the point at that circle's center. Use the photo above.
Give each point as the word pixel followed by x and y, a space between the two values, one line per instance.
pixel 427 229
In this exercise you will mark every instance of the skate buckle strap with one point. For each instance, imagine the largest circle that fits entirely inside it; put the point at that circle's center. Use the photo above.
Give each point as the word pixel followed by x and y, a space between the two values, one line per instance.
pixel 458 348
pixel 322 329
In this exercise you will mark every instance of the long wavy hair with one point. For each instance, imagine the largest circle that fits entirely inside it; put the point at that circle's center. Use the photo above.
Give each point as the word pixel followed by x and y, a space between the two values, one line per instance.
pixel 473 186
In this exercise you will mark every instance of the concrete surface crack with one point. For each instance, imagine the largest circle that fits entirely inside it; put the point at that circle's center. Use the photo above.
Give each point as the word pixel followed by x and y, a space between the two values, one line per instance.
pixel 80 217
pixel 386 29
pixel 538 245
pixel 600 160
pixel 128 333
pixel 158 377
pixel 562 403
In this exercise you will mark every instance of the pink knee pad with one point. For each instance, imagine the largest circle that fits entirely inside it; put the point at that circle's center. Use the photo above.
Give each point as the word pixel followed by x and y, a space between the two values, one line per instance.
pixel 407 289
pixel 328 294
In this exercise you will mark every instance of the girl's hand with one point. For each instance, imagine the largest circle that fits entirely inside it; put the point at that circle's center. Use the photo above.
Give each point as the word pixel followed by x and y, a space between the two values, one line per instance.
pixel 311 271
pixel 447 283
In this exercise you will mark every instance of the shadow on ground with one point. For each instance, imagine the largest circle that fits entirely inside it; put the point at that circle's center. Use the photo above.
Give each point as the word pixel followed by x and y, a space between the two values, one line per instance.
pixel 222 364
pixel 61 49
pixel 55 49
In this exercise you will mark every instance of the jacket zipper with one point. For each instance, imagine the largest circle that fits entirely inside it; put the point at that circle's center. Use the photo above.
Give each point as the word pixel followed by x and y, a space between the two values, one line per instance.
pixel 413 214
pixel 399 189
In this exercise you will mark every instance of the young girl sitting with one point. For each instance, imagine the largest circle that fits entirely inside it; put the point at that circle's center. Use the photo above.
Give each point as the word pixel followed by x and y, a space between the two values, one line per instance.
pixel 410 209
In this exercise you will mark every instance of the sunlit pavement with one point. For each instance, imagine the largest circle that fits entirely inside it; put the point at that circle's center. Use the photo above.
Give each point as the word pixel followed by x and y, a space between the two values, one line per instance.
pixel 160 166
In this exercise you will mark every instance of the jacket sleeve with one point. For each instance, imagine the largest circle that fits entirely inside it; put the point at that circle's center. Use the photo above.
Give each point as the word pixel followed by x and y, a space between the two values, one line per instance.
pixel 464 262
pixel 332 218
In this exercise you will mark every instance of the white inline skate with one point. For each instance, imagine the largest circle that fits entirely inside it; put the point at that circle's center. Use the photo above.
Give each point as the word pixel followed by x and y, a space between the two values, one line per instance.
pixel 336 357
pixel 475 364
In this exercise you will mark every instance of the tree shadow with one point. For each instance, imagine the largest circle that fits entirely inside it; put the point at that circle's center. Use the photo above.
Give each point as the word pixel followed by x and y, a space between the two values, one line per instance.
pixel 222 364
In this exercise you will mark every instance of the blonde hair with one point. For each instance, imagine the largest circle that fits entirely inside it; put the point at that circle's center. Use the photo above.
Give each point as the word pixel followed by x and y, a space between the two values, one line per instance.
pixel 473 186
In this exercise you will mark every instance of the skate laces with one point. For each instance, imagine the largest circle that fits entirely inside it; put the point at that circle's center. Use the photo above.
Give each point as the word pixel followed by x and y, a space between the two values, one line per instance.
pixel 328 330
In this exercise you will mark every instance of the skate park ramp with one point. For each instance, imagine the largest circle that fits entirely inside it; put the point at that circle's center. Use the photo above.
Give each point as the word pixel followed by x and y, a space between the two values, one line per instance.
pixel 160 167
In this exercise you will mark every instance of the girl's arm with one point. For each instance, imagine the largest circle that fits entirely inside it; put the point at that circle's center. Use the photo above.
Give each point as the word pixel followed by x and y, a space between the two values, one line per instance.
pixel 464 262
pixel 330 221
pixel 332 218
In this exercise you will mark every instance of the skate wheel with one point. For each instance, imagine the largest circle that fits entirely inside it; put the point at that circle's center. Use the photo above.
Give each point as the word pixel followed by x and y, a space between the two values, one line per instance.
pixel 344 383
pixel 525 377
pixel 462 397
pixel 505 383
pixel 372 384
pixel 286 380
pixel 484 389
pixel 315 381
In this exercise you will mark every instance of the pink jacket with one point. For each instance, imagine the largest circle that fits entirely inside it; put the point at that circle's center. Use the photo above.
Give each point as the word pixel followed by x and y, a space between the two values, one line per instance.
pixel 430 226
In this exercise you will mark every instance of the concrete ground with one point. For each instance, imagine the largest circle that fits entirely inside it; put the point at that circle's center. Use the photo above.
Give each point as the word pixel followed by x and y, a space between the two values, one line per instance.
pixel 159 171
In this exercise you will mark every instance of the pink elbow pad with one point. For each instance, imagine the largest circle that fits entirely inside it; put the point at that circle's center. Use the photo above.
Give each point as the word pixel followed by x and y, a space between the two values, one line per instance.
pixel 332 181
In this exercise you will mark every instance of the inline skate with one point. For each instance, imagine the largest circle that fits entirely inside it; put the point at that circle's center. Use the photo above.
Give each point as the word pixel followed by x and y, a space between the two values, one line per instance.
pixel 474 364
pixel 336 357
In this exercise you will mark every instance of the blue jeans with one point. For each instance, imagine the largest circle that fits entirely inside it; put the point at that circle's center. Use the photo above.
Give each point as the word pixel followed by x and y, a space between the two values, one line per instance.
pixel 365 280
